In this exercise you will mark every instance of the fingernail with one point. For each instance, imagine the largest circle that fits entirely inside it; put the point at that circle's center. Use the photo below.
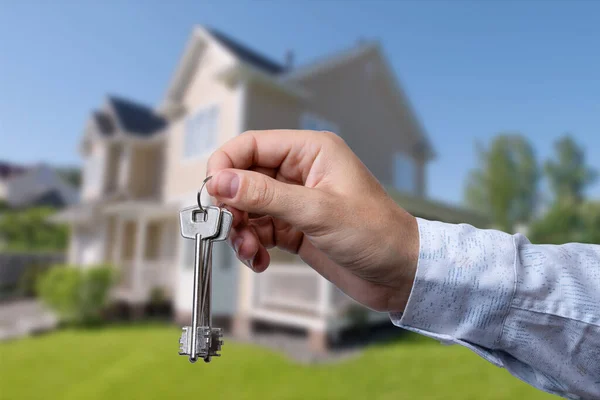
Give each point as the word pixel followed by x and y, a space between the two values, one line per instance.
pixel 249 263
pixel 227 185
pixel 237 243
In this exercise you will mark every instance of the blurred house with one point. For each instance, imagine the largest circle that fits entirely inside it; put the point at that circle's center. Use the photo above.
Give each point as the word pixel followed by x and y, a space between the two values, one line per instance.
pixel 40 185
pixel 8 171
pixel 142 165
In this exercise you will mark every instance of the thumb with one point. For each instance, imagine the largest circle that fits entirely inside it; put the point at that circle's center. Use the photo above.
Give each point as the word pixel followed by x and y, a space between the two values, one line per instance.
pixel 257 193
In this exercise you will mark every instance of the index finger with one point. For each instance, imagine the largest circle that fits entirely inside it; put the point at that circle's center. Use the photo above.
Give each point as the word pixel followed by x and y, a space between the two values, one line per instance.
pixel 290 151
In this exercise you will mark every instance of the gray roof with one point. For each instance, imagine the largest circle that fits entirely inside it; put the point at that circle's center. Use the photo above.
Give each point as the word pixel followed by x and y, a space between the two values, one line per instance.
pixel 136 118
pixel 247 54
pixel 40 184
pixel 133 117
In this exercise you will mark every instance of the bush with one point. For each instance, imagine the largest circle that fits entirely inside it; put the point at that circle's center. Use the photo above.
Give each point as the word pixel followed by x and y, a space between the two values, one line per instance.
pixel 78 295
pixel 28 281
pixel 157 296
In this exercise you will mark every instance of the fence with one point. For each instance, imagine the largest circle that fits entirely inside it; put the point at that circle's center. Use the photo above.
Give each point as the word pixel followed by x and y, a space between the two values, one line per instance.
pixel 14 265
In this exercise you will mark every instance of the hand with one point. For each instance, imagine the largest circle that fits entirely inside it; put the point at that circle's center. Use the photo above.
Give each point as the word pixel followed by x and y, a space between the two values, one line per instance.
pixel 307 193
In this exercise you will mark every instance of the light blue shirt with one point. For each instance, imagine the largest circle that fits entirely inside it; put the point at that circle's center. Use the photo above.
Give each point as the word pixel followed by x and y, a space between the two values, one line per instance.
pixel 532 309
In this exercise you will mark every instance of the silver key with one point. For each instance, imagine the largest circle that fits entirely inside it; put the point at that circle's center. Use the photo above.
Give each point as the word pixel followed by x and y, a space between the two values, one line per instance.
pixel 214 334
pixel 199 226
pixel 206 342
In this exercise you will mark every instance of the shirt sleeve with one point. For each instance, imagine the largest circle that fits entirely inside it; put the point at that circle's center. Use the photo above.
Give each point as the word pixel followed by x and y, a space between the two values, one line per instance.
pixel 532 309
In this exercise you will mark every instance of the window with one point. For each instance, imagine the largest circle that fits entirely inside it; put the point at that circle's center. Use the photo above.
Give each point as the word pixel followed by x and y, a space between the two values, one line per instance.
pixel 404 173
pixel 313 123
pixel 201 132
pixel 93 171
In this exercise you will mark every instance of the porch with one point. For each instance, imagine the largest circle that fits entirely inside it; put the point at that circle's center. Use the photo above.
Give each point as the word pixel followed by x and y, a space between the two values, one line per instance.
pixel 141 241
pixel 292 294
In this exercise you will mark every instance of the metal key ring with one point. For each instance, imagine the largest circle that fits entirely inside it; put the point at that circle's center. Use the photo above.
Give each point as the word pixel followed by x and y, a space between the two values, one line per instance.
pixel 198 197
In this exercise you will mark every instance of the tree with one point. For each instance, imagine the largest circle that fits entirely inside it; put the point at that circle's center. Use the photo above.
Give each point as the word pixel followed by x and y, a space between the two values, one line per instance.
pixel 567 223
pixel 505 184
pixel 568 173
pixel 29 229
pixel 570 218
pixel 71 175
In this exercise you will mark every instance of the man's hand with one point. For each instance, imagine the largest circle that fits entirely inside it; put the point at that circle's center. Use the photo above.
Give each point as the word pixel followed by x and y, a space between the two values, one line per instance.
pixel 306 192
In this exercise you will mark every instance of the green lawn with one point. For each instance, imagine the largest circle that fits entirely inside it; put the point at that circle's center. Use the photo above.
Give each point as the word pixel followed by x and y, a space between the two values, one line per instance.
pixel 141 362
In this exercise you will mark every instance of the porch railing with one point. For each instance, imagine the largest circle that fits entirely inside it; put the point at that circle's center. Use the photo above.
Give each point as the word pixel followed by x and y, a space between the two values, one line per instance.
pixel 297 288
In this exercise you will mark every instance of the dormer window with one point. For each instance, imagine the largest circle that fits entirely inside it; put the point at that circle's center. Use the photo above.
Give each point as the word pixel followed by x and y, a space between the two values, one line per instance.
pixel 405 173
pixel 201 129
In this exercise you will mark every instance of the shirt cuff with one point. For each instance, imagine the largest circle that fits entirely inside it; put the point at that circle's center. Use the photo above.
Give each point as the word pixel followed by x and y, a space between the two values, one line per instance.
pixel 463 287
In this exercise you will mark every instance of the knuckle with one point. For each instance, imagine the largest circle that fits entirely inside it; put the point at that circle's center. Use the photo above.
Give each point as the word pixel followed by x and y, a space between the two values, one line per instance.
pixel 333 138
pixel 259 194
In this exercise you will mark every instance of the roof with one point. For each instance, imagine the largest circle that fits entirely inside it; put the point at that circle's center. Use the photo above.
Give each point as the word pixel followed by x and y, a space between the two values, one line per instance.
pixel 104 122
pixel 133 118
pixel 40 183
pixel 8 170
pixel 247 54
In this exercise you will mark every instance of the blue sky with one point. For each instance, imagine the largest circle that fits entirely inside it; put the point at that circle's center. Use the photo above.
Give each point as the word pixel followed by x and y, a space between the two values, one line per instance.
pixel 471 69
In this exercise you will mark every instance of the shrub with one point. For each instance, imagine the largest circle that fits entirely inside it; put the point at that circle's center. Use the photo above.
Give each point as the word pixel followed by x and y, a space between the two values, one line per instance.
pixel 157 296
pixel 78 295
pixel 359 317
pixel 28 281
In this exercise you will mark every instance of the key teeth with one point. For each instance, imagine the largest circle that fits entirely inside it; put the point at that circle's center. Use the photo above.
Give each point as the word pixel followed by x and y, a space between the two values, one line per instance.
pixel 183 341
pixel 209 343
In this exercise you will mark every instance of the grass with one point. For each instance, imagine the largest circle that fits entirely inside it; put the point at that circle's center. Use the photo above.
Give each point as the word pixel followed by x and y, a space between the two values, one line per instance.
pixel 141 362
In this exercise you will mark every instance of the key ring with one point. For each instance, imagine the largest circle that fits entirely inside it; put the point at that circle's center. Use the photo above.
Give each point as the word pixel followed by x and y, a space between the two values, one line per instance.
pixel 198 197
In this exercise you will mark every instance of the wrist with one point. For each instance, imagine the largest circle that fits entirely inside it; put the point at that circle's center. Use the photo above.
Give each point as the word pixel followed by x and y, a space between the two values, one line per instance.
pixel 406 244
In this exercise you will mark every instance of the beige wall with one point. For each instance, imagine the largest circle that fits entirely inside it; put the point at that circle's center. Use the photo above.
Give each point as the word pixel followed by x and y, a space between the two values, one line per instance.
pixel 184 176
pixel 360 100
pixel 112 167
pixel 94 170
pixel 145 170
pixel 270 109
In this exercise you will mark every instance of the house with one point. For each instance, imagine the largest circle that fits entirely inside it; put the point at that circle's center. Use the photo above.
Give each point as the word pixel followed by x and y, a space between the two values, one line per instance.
pixel 40 185
pixel 142 165
pixel 8 171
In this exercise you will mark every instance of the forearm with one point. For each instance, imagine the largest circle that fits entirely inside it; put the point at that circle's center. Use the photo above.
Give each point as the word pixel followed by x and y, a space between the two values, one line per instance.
pixel 520 306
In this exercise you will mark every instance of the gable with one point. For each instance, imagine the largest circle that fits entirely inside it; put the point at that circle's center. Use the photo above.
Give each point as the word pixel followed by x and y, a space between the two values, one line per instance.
pixel 363 73
pixel 203 86
pixel 246 54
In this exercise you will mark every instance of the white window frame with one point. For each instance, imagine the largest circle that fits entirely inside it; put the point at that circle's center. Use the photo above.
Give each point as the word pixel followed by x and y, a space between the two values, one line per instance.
pixel 411 187
pixel 322 124
pixel 204 151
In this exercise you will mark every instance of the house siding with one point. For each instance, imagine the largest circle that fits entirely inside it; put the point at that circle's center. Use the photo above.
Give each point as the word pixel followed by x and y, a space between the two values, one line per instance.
pixel 184 176
pixel 270 109
pixel 358 98
pixel 94 174
pixel 145 171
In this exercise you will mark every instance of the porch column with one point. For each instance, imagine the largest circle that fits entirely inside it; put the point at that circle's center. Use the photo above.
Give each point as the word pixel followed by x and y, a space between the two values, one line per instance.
pixel 138 260
pixel 324 296
pixel 242 323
